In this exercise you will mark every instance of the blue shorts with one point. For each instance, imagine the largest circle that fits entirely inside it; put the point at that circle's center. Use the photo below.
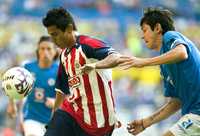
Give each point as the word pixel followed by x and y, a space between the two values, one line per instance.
pixel 63 124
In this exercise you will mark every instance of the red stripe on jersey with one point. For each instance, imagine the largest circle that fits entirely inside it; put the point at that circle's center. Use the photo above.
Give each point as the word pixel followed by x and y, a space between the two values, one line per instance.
pixel 103 99
pixel 72 61
pixel 79 103
pixel 89 95
pixel 90 41
pixel 110 86
pixel 81 59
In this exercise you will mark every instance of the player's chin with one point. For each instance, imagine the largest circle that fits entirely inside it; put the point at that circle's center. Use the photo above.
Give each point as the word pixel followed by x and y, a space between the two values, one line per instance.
pixel 47 60
pixel 60 45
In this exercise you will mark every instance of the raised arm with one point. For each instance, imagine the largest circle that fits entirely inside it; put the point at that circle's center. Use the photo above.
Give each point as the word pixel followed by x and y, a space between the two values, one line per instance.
pixel 177 54
pixel 110 61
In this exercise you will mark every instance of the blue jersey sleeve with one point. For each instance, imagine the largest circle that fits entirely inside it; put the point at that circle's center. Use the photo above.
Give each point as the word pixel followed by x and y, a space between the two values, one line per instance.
pixel 172 38
pixel 62 80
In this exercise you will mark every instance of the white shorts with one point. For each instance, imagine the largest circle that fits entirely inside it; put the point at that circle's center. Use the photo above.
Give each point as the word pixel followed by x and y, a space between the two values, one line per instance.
pixel 33 128
pixel 188 125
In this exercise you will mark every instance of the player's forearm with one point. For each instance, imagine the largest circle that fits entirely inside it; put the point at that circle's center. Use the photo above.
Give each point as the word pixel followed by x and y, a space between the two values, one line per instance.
pixel 175 55
pixel 110 61
pixel 59 99
pixel 164 112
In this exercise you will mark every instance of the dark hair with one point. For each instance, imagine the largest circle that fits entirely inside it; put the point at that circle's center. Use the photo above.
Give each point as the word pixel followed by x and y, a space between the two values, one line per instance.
pixel 46 39
pixel 59 17
pixel 152 16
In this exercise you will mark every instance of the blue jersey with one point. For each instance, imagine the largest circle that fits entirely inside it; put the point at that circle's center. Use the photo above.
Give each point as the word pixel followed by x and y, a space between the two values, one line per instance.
pixel 182 79
pixel 44 86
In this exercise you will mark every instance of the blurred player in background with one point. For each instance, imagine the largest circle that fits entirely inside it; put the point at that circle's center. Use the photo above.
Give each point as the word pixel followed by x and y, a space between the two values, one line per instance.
pixel 179 61
pixel 87 105
pixel 38 105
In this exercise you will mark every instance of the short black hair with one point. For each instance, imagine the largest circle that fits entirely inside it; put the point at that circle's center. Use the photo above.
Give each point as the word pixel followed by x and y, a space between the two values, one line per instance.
pixel 59 17
pixel 152 16
pixel 46 39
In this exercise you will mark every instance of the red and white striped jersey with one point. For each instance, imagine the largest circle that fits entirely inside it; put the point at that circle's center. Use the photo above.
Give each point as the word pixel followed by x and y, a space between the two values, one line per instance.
pixel 90 99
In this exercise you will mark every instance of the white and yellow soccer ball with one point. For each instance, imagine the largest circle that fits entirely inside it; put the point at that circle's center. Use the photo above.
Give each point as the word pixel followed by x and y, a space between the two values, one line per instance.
pixel 17 82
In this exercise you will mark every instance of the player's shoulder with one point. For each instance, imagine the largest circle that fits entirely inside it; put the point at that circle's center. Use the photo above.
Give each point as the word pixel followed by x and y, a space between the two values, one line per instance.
pixel 90 41
pixel 29 63
pixel 171 35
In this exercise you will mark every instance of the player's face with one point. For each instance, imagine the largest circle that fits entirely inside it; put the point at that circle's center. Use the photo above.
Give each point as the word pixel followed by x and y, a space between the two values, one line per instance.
pixel 60 38
pixel 46 52
pixel 151 37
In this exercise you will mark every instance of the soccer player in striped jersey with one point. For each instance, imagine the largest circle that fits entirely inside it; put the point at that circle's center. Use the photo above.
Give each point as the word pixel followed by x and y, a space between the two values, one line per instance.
pixel 86 99
pixel 179 61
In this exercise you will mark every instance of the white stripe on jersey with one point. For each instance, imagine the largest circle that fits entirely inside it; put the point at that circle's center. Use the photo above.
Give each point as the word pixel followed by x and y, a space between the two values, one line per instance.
pixel 82 93
pixel 106 75
pixel 97 99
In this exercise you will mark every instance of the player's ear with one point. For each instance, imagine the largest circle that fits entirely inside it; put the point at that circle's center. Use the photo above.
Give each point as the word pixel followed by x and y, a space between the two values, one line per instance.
pixel 158 28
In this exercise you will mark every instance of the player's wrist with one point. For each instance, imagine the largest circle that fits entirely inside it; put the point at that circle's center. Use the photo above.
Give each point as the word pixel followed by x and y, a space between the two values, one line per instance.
pixel 146 123
pixel 143 127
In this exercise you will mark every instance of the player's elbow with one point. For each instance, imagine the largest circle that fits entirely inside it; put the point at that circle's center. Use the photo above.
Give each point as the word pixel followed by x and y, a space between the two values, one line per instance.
pixel 182 52
pixel 184 55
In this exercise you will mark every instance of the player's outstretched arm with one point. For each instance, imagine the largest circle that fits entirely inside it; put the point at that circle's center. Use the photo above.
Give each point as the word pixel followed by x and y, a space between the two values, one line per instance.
pixel 177 54
pixel 110 61
pixel 59 99
pixel 164 112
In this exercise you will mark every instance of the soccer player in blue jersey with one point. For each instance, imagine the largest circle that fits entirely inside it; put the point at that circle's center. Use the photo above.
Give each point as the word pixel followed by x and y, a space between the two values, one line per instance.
pixel 179 62
pixel 38 104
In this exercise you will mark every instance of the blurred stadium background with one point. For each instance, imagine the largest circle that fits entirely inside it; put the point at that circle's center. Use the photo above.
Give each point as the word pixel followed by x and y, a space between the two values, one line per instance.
pixel 138 92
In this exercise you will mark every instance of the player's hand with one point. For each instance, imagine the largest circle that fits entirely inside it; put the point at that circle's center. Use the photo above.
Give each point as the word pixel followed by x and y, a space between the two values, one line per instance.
pixel 50 102
pixel 12 110
pixel 88 68
pixel 135 127
pixel 126 62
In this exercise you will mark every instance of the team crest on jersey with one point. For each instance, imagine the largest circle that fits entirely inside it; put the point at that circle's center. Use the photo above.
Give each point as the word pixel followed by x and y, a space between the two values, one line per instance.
pixel 51 81
pixel 77 67
pixel 39 94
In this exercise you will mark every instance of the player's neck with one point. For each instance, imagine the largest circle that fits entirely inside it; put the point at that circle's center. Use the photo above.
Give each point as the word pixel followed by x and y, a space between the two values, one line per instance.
pixel 44 64
pixel 72 42
pixel 158 43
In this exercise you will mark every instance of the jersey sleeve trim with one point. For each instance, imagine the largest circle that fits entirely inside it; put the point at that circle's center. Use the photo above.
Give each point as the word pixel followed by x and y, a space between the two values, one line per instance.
pixel 58 90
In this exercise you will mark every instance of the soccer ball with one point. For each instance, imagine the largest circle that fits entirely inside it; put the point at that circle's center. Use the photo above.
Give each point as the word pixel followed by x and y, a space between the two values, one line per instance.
pixel 17 82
